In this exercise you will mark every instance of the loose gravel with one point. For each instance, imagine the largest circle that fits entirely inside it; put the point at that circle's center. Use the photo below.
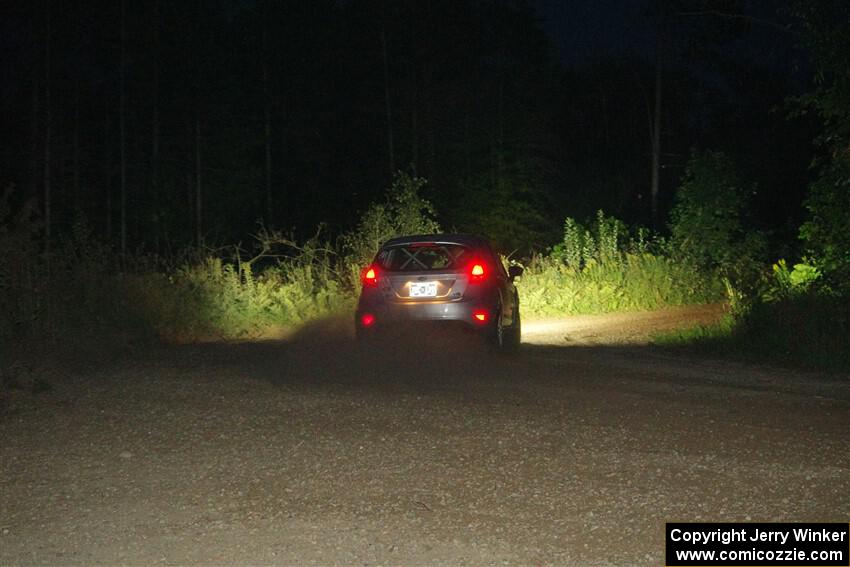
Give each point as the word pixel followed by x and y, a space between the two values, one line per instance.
pixel 429 451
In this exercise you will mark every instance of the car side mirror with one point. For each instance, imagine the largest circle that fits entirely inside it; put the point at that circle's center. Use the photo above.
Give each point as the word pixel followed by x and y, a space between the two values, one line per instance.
pixel 514 272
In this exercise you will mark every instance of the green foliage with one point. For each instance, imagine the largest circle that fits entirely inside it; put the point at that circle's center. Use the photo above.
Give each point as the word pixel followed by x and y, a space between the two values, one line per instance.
pixel 602 268
pixel 826 233
pixel 825 32
pixel 636 282
pixel 508 212
pixel 787 283
pixel 705 220
pixel 217 298
pixel 792 320
pixel 707 228
pixel 228 299
pixel 79 290
pixel 603 242
pixel 404 211
pixel 809 330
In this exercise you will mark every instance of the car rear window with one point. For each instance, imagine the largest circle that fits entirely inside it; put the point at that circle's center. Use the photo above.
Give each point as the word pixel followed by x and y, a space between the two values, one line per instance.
pixel 423 257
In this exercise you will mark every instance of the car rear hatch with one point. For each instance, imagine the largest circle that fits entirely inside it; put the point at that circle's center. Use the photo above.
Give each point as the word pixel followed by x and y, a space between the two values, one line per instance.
pixel 423 272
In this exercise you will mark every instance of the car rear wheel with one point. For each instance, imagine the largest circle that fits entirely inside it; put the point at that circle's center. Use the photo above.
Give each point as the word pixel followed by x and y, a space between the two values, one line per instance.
pixel 499 334
pixel 513 334
pixel 505 339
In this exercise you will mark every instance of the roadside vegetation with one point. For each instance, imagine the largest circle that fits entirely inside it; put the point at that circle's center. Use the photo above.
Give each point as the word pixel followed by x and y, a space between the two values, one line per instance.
pixel 796 308
pixel 602 267
pixel 791 312
pixel 83 290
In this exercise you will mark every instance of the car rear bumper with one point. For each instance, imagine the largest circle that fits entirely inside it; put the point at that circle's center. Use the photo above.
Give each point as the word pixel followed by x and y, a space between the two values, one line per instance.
pixel 389 315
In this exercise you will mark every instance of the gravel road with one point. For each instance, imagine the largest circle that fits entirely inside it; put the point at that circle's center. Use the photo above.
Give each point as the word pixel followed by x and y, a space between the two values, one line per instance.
pixel 308 451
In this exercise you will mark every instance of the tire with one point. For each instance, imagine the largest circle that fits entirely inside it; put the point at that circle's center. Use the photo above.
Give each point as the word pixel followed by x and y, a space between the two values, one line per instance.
pixel 506 339
pixel 513 336
pixel 499 336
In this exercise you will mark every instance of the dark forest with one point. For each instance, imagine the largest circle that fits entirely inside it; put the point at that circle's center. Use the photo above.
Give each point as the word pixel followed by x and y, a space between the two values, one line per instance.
pixel 165 124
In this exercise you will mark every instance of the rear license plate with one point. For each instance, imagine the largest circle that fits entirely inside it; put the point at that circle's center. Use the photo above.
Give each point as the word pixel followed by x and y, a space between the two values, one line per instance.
pixel 423 289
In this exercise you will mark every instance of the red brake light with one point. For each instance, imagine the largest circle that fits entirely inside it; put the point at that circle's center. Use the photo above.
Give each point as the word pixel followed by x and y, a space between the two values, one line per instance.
pixel 367 319
pixel 480 315
pixel 477 272
pixel 370 277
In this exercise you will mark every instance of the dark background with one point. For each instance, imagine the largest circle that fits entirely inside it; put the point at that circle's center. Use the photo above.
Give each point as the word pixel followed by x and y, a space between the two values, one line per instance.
pixel 201 118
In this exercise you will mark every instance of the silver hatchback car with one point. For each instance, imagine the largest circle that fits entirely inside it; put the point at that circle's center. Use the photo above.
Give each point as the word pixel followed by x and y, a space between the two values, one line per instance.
pixel 453 278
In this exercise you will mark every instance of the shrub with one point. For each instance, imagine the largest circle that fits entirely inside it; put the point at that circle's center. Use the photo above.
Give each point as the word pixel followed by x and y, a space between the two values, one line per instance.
pixel 508 211
pixel 706 217
pixel 792 320
pixel 603 242
pixel 404 211
pixel 825 233
pixel 787 283
pixel 706 222
pixel 602 268
pixel 229 300
pixel 807 328
pixel 636 282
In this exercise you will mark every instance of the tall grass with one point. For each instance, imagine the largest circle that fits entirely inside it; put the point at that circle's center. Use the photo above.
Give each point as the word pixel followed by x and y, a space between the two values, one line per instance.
pixel 634 282
pixel 603 268
pixel 223 299
pixel 81 287
pixel 84 288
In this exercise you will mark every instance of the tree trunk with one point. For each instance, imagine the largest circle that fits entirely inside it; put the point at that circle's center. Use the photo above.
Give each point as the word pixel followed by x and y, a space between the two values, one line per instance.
pixel 48 126
pixel 414 125
pixel 656 121
pixel 390 147
pixel 155 131
pixel 198 179
pixel 501 156
pixel 76 143
pixel 431 136
pixel 198 174
pixel 107 160
pixel 123 128
pixel 267 117
pixel 467 138
pixel 35 174
pixel 656 147
pixel 414 98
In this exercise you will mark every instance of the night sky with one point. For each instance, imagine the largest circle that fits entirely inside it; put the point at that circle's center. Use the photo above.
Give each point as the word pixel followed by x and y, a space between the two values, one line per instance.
pixel 583 29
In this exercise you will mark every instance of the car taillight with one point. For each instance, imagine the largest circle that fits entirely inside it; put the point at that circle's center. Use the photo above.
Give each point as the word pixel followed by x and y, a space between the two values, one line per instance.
pixel 480 315
pixel 477 272
pixel 367 319
pixel 370 277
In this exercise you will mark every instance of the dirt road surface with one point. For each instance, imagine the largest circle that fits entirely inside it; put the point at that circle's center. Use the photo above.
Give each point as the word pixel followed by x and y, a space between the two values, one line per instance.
pixel 308 451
